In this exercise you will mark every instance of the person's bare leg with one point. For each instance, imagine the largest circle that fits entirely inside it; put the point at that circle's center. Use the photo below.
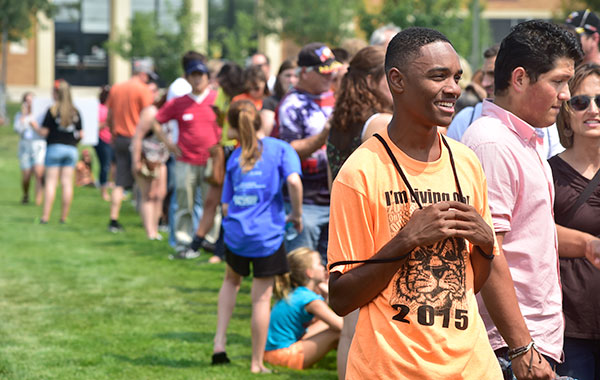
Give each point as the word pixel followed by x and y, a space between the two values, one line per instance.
pixel 345 341
pixel 116 199
pixel 317 346
pixel 227 297
pixel 158 192
pixel 262 290
pixel 213 198
pixel 146 206
pixel 49 191
pixel 66 180
pixel 25 179
pixel 38 171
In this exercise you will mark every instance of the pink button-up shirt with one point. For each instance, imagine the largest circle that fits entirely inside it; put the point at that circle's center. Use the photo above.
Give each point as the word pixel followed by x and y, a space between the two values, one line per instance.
pixel 521 195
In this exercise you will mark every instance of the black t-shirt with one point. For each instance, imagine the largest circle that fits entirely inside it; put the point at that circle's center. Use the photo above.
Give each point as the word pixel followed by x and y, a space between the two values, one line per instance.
pixel 58 134
pixel 271 103
pixel 580 279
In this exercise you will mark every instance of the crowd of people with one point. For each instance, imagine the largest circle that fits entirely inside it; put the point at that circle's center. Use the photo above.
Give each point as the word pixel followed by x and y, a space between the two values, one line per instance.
pixel 419 241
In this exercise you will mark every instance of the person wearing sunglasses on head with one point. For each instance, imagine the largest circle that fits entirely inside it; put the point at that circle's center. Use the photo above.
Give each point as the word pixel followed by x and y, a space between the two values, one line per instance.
pixel 576 174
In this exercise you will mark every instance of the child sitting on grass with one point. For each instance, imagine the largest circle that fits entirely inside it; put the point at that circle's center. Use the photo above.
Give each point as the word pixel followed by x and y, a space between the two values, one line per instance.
pixel 290 343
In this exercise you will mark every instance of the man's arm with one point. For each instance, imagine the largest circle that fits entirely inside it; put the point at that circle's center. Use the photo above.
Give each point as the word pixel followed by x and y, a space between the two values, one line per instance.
pixel 307 146
pixel 501 302
pixel 574 243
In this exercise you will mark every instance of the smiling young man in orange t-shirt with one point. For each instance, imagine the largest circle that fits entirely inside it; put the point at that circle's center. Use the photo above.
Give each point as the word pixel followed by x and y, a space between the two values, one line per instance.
pixel 414 207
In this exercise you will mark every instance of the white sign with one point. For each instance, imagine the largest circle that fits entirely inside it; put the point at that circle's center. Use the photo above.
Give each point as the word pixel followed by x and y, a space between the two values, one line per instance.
pixel 88 109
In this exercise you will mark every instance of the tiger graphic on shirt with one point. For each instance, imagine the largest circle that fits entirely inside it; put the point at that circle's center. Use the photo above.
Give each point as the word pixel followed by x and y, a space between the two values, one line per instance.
pixel 432 281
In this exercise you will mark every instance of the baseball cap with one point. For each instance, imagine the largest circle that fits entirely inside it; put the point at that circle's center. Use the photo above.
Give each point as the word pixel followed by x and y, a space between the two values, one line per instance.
pixel 584 21
pixel 145 66
pixel 196 65
pixel 318 55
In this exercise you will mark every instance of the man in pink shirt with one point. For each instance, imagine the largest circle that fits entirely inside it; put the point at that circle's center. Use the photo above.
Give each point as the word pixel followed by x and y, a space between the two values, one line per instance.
pixel 198 131
pixel 532 69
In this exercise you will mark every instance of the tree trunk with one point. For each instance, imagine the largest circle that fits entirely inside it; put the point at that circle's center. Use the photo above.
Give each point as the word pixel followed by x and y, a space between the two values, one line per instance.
pixel 3 77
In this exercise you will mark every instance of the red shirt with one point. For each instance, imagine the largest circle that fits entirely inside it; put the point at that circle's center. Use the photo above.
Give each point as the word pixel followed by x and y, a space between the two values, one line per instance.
pixel 198 128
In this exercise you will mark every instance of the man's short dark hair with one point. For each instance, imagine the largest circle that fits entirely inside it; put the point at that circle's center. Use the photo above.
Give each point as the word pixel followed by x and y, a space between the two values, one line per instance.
pixel 407 44
pixel 535 45
pixel 191 56
pixel 491 52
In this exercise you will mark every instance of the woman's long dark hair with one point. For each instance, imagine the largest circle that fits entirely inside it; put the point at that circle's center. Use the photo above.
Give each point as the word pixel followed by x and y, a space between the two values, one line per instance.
pixel 358 98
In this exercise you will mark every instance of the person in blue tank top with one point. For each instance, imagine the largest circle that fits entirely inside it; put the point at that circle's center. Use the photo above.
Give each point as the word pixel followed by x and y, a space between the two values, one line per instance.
pixel 303 328
pixel 254 223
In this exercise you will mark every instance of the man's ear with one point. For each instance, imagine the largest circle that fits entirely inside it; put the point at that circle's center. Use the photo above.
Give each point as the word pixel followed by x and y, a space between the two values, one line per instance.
pixel 519 79
pixel 395 81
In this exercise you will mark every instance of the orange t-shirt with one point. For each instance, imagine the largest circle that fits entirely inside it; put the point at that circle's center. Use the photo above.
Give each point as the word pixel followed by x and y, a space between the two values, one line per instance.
pixel 125 102
pixel 258 103
pixel 425 324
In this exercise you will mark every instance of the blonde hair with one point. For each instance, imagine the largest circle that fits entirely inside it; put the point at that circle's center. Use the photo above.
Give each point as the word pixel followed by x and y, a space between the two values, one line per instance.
pixel 244 118
pixel 64 104
pixel 299 260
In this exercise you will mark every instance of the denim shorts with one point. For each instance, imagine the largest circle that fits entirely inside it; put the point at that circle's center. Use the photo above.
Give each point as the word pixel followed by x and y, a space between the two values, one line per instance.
pixel 31 153
pixel 61 155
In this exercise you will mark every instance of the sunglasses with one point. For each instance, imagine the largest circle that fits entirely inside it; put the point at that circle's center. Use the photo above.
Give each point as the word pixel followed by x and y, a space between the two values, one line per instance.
pixel 582 102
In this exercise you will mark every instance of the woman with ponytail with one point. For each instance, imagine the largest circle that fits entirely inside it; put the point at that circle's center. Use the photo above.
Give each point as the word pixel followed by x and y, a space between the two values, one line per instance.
pixel 254 223
pixel 289 342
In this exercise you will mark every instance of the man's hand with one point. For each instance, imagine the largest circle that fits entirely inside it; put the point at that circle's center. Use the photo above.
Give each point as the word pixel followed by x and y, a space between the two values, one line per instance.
pixel 592 252
pixel 174 149
pixel 539 371
pixel 136 166
pixel 449 219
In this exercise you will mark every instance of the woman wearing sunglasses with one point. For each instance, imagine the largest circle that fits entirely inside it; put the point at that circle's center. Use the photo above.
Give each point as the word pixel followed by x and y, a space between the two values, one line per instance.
pixel 577 207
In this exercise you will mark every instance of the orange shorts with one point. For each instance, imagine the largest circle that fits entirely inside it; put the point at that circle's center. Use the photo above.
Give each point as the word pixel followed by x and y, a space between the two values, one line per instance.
pixel 291 357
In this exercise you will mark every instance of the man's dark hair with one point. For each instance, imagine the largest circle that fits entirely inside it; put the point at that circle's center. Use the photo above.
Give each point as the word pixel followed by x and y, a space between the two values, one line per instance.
pixel 191 56
pixel 535 45
pixel 231 79
pixel 407 44
pixel 491 52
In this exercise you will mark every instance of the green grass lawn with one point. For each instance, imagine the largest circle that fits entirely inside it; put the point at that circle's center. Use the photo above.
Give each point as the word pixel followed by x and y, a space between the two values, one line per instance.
pixel 77 302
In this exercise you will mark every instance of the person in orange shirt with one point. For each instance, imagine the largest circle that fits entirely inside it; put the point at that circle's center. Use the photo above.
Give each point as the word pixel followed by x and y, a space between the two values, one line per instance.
pixel 255 87
pixel 411 208
pixel 125 103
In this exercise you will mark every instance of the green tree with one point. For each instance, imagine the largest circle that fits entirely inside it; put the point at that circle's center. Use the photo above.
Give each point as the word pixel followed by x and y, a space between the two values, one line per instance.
pixel 147 38
pixel 16 21
pixel 447 16
pixel 232 29
pixel 310 20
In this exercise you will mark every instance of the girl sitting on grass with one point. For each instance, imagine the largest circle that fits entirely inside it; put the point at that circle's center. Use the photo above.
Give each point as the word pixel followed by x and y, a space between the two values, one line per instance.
pixel 289 342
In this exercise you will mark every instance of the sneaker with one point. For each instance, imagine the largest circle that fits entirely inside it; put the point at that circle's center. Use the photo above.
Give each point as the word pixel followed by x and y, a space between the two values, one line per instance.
pixel 208 246
pixel 115 227
pixel 185 254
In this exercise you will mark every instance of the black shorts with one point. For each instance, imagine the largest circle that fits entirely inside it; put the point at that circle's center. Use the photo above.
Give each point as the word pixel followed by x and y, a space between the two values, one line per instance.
pixel 261 266
pixel 124 176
